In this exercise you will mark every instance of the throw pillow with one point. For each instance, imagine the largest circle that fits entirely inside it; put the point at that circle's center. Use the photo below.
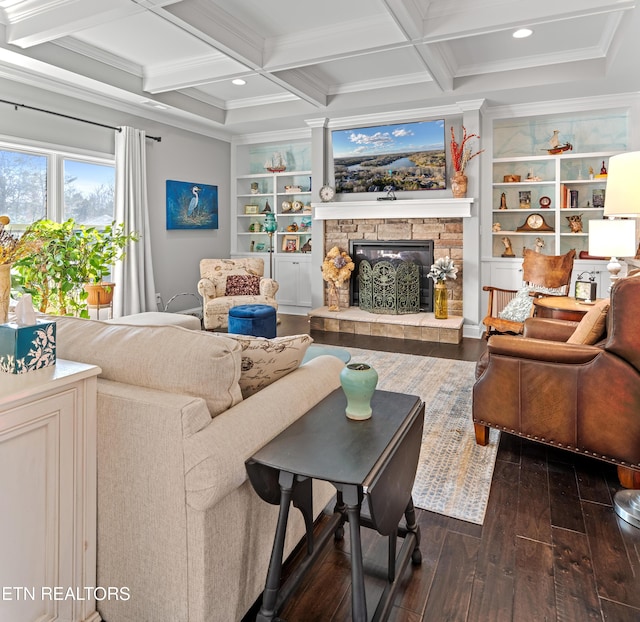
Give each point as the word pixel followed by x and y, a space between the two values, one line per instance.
pixel 266 360
pixel 242 285
pixel 518 309
pixel 592 325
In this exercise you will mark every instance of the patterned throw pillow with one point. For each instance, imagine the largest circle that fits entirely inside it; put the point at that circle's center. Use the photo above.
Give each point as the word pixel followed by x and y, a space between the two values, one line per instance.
pixel 518 308
pixel 242 285
pixel 266 360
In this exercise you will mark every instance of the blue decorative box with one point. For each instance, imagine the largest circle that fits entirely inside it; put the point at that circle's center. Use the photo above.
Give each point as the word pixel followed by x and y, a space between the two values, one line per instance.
pixel 25 348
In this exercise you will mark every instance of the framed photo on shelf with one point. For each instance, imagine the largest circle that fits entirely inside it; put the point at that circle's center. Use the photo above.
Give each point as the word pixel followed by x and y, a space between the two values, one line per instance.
pixel 290 243
pixel 525 199
pixel 597 197
pixel 251 209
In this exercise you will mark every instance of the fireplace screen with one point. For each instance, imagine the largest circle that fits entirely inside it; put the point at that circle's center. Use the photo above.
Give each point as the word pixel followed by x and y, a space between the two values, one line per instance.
pixel 389 286
pixel 418 252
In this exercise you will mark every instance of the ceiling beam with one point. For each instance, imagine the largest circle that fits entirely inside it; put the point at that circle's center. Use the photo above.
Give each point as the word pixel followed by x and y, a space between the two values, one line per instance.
pixel 34 22
pixel 408 16
pixel 216 27
pixel 298 82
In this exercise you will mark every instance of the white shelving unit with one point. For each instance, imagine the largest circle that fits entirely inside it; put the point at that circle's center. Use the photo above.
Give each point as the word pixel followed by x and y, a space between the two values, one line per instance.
pixel 551 197
pixel 558 187
pixel 287 194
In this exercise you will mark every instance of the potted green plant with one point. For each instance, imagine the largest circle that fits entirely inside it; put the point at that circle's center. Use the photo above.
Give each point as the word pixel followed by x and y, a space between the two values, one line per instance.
pixel 70 259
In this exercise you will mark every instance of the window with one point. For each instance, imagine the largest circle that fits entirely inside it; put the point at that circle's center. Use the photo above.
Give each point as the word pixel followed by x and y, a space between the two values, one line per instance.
pixel 40 183
pixel 88 192
pixel 23 186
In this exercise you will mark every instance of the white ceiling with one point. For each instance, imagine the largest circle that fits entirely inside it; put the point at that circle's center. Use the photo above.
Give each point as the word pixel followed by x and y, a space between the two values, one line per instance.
pixel 303 59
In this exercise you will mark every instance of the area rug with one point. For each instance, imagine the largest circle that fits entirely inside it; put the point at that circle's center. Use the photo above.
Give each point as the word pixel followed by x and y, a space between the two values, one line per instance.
pixel 454 473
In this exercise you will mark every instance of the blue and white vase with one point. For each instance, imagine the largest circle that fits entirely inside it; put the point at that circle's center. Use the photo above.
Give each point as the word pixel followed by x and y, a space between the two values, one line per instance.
pixel 358 381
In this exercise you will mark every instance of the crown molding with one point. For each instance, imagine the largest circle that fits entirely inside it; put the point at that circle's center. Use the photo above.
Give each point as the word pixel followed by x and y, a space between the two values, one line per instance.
pixel 271 137
pixel 557 106
pixel 395 116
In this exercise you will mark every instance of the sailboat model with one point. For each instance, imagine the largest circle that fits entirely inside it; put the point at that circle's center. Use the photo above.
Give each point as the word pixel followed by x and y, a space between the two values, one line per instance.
pixel 554 145
pixel 276 164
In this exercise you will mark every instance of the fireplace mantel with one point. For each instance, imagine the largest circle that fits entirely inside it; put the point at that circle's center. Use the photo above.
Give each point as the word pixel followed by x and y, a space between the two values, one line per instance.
pixel 403 208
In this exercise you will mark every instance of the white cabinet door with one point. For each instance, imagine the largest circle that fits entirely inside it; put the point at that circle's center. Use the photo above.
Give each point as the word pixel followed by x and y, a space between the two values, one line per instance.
pixel 48 493
pixel 293 274
pixel 506 274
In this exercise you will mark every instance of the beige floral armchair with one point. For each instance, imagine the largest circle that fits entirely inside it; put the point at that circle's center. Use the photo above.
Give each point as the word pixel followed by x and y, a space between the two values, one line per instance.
pixel 226 283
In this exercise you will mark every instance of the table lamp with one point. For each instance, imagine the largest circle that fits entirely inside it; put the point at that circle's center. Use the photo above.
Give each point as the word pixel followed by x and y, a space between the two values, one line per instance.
pixel 622 196
pixel 622 199
pixel 612 238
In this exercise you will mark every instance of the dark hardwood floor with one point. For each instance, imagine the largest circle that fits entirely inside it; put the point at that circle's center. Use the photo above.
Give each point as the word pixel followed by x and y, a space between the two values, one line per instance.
pixel 551 547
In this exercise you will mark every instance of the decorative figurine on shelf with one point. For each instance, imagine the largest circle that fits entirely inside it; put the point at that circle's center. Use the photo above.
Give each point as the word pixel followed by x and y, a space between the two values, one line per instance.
pixel 276 164
pixel 575 223
pixel 508 249
pixel 591 172
pixel 554 144
pixel 532 177
pixel 603 172
pixel 267 208
pixel 496 227
pixel 306 247
pixel 254 187
pixel 503 201
pixel 539 245
pixel 292 227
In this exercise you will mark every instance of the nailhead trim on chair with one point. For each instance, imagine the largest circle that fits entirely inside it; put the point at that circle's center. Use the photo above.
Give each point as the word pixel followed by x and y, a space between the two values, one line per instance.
pixel 555 444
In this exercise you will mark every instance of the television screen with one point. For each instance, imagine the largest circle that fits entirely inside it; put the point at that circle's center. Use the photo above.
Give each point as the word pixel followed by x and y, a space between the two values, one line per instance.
pixel 403 156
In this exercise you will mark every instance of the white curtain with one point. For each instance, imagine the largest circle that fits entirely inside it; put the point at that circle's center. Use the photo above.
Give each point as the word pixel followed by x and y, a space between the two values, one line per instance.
pixel 135 287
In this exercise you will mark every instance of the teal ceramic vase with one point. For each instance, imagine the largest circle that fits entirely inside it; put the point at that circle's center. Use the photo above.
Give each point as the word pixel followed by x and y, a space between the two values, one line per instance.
pixel 358 381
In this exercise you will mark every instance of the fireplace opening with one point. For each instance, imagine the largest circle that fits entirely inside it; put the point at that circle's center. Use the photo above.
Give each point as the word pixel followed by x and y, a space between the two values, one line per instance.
pixel 419 252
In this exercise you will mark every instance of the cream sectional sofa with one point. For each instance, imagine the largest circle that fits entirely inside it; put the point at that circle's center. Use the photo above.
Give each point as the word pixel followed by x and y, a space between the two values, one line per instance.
pixel 178 522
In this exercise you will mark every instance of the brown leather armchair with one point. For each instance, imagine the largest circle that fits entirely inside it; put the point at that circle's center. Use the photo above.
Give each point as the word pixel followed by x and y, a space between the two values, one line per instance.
pixel 582 398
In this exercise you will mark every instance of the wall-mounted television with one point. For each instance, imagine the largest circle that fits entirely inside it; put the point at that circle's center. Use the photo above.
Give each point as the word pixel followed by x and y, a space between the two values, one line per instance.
pixel 399 157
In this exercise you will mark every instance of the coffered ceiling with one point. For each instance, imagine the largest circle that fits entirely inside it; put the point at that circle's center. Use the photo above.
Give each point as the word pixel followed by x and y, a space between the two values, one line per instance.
pixel 175 60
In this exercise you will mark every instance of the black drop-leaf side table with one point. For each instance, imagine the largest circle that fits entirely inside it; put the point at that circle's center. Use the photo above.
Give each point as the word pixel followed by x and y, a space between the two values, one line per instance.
pixel 373 460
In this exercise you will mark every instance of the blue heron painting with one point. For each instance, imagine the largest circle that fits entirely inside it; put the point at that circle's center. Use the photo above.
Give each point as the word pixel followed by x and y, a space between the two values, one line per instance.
pixel 191 205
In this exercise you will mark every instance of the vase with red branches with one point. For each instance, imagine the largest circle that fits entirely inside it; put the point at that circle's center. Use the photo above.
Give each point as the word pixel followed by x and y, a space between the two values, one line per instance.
pixel 461 155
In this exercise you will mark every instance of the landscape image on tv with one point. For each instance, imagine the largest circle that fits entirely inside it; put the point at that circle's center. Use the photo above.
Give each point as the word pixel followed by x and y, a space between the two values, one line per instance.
pixel 403 156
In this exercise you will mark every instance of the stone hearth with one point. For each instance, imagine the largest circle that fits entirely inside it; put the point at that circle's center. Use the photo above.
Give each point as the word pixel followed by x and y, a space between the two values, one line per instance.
pixel 416 326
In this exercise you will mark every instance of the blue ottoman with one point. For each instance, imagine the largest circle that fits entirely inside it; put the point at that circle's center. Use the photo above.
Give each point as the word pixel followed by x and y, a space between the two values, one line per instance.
pixel 256 320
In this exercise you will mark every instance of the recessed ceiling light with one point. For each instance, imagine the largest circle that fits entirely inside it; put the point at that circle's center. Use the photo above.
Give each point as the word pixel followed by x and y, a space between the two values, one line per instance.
pixel 522 33
pixel 239 82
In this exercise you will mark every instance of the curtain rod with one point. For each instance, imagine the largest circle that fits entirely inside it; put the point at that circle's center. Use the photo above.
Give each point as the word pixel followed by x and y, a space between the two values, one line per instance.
pixel 66 116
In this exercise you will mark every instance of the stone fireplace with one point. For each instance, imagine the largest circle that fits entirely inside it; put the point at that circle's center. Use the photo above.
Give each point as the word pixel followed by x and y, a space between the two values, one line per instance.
pixel 445 233
pixel 414 221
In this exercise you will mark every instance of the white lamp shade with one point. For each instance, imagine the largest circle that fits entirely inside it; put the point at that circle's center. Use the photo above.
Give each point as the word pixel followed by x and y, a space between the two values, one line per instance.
pixel 612 238
pixel 622 196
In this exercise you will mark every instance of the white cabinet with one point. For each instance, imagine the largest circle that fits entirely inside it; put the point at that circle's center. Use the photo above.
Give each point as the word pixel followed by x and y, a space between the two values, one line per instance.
pixel 48 492
pixel 293 274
